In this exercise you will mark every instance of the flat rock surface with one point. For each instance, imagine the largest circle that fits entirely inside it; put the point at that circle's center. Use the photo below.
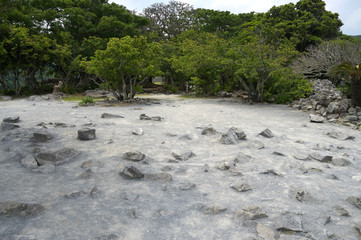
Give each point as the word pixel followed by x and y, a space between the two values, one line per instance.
pixel 90 192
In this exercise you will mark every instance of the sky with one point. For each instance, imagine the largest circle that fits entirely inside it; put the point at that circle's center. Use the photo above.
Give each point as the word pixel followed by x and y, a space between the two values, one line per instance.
pixel 349 10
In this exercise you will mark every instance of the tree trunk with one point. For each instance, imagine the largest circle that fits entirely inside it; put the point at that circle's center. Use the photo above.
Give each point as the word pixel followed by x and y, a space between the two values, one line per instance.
pixel 356 92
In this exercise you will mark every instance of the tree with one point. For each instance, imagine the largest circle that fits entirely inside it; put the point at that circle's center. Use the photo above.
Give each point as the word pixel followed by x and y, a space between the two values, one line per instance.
pixel 350 72
pixel 125 63
pixel 169 20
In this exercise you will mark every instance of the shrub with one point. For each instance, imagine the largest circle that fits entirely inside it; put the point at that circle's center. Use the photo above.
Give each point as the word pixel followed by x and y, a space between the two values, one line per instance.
pixel 87 101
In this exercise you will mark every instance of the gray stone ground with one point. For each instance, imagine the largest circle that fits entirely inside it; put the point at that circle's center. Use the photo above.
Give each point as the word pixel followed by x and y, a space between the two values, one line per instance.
pixel 161 178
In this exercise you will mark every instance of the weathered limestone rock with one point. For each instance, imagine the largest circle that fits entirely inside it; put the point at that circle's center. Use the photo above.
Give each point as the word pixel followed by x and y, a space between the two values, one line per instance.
pixel 242 158
pixel 145 117
pixel 161 177
pixel 251 213
pixel 29 162
pixel 11 208
pixel 187 186
pixel 108 115
pixel 316 119
pixel 321 158
pixel 211 210
pixel 340 136
pixel 134 156
pixel 56 157
pixel 256 144
pixel 184 156
pixel 272 172
pixel 266 133
pixel 75 195
pixel 88 173
pixel 356 201
pixel 241 187
pixel 302 196
pixel 42 136
pixel 109 237
pixel 8 126
pixel 86 134
pixel 131 173
pixel 289 222
pixel 224 166
pixel 341 211
pixel 340 162
pixel 138 132
pixel 46 169
pixel 265 232
pixel 94 193
pixel 232 136
pixel 209 131
pixel 12 119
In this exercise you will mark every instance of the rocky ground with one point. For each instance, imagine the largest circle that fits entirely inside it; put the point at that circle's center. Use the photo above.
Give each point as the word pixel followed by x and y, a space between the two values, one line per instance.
pixel 173 168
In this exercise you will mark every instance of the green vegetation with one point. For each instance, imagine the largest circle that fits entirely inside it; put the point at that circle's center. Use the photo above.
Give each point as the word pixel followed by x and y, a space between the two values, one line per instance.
pixel 87 101
pixel 88 44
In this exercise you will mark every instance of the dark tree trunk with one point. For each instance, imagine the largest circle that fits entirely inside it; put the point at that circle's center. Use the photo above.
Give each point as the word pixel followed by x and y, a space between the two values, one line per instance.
pixel 356 92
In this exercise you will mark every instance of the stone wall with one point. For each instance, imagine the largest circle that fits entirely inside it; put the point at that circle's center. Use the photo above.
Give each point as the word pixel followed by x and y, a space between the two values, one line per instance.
pixel 329 102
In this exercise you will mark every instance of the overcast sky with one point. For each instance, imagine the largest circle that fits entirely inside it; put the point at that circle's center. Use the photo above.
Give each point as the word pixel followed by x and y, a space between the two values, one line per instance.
pixel 349 10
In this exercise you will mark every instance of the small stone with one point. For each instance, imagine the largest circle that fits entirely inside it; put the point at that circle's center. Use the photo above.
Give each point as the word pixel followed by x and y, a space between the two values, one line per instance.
pixel 265 232
pixel 46 169
pixel 131 173
pixel 278 154
pixel 8 126
pixel 138 132
pixel 223 166
pixel 109 237
pixel 184 156
pixel 206 168
pixel 42 136
pixel 252 213
pixel 187 186
pixel 302 157
pixel 232 136
pixel 289 222
pixel 340 136
pixel 29 162
pixel 302 196
pixel 144 117
pixel 86 134
pixel 133 213
pixel 213 210
pixel 11 208
pixel 243 187
pixel 316 119
pixel 351 118
pixel 12 119
pixel 161 177
pixel 272 172
pixel 134 156
pixel 341 211
pixel 94 193
pixel 108 115
pixel 91 163
pixel 358 228
pixel 88 173
pixel 75 195
pixel 209 131
pixel 242 158
pixel 156 118
pixel 340 162
pixel 321 158
pixel 266 133
pixel 256 144
pixel 356 201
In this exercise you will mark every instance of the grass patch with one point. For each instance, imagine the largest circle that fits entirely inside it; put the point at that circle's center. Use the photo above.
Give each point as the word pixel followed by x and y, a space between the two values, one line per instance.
pixel 78 98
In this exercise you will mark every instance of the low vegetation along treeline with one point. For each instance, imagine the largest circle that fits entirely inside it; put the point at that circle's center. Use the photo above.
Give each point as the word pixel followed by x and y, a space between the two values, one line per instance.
pixel 92 43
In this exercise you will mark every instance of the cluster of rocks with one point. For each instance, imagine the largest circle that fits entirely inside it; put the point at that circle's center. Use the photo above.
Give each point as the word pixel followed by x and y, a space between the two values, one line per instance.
pixel 328 102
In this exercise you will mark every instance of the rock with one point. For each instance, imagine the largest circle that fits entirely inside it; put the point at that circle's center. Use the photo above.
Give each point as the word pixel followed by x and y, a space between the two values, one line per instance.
pixel 302 157
pixel 256 144
pixel 109 237
pixel 133 213
pixel 333 108
pixel 8 126
pixel 252 213
pixel 134 156
pixel 356 201
pixel 42 136
pixel 91 163
pixel 108 115
pixel 46 169
pixel 302 196
pixel 206 168
pixel 340 162
pixel 278 154
pixel 88 173
pixel 29 162
pixel 86 134
pixel 242 158
pixel 242 187
pixel 138 132
pixel 265 232
pixel 266 133
pixel 341 211
pixel 340 136
pixel 186 137
pixel 161 177
pixel 184 156
pixel 358 228
pixel 321 158
pixel 12 119
pixel 56 157
pixel 351 118
pixel 212 210
pixel 232 136
pixel 131 173
pixel 209 131
pixel 289 222
pixel 75 195
pixel 11 208
pixel 187 186
pixel 145 117
pixel 272 172
pixel 223 166
pixel 94 193
pixel 316 119
pixel 224 94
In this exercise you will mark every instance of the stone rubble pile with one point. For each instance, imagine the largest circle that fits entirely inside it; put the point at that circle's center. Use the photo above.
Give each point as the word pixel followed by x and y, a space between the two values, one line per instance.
pixel 328 102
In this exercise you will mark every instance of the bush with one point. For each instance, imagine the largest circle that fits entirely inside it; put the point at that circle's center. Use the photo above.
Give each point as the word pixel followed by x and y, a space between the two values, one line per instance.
pixel 87 101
